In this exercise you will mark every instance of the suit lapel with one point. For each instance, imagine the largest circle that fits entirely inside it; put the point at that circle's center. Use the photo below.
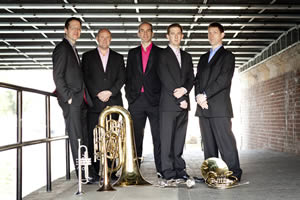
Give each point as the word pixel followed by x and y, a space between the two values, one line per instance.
pixel 138 55
pixel 209 67
pixel 183 65
pixel 174 68
pixel 109 61
pixel 216 56
pixel 72 52
pixel 176 61
pixel 206 70
pixel 98 61
pixel 213 65
pixel 150 59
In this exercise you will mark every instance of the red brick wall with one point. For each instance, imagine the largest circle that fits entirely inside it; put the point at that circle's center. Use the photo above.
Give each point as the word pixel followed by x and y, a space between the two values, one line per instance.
pixel 270 114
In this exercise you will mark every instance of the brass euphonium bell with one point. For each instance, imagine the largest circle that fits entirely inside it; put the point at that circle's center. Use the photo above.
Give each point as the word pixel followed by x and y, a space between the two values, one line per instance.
pixel 217 175
pixel 117 135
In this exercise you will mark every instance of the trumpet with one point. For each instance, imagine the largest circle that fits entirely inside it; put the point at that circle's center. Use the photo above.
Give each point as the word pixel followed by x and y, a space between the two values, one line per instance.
pixel 83 165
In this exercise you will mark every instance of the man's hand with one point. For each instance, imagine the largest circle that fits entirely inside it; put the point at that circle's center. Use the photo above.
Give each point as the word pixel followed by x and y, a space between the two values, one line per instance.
pixel 204 105
pixel 183 104
pixel 179 92
pixel 202 101
pixel 200 98
pixel 70 101
pixel 104 95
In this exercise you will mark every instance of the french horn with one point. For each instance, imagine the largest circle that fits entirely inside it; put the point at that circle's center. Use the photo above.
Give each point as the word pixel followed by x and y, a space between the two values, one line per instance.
pixel 217 175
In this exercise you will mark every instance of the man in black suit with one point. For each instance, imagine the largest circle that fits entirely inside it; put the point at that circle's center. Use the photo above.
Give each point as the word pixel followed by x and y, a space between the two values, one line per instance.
pixel 70 88
pixel 143 91
pixel 212 89
pixel 176 75
pixel 104 75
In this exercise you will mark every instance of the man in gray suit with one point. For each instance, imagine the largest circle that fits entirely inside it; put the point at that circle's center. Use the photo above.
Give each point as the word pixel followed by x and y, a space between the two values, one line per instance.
pixel 71 92
pixel 212 89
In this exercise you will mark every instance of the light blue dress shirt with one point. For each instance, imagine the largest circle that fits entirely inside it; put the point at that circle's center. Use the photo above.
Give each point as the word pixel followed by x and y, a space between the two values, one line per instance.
pixel 212 52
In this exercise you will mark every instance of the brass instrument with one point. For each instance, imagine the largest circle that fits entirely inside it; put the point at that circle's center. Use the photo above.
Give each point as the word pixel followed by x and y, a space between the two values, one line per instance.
pixel 114 140
pixel 83 165
pixel 217 175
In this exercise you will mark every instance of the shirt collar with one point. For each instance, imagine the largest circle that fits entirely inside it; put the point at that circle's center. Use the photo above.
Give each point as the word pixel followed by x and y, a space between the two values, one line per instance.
pixel 215 50
pixel 72 45
pixel 175 49
pixel 101 53
pixel 149 47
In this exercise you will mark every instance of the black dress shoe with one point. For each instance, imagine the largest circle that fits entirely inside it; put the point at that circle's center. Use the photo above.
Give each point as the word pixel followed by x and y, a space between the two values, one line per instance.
pixel 93 180
pixel 159 175
pixel 238 178
pixel 114 177
pixel 87 181
pixel 199 179
pixel 184 177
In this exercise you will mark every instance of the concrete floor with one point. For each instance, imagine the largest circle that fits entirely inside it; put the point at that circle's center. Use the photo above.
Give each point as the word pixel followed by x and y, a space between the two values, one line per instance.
pixel 271 176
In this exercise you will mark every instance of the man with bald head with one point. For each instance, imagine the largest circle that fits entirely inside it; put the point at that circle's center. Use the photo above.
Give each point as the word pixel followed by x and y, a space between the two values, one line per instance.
pixel 104 75
pixel 143 91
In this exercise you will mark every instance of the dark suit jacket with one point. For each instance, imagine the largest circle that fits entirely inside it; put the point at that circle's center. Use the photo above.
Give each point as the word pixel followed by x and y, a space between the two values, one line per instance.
pixel 173 76
pixel 67 74
pixel 136 79
pixel 97 80
pixel 214 78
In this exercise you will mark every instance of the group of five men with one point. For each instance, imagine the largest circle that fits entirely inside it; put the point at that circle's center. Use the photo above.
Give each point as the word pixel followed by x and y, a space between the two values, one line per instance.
pixel 157 86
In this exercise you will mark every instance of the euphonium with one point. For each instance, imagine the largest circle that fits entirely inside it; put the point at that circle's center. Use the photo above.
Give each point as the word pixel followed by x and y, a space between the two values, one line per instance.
pixel 217 175
pixel 83 165
pixel 119 145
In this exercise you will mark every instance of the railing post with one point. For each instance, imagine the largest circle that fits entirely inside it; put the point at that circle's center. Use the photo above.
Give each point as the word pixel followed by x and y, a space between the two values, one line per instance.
pixel 68 175
pixel 48 144
pixel 19 140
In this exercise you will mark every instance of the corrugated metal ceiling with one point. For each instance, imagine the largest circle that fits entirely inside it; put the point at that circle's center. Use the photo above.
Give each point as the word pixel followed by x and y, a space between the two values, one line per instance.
pixel 29 30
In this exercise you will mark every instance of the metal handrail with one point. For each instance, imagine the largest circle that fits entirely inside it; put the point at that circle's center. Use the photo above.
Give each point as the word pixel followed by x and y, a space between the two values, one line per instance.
pixel 31 142
pixel 20 88
pixel 48 139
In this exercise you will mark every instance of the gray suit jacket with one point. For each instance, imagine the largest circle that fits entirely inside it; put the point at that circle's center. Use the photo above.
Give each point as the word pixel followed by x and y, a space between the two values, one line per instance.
pixel 214 78
pixel 67 74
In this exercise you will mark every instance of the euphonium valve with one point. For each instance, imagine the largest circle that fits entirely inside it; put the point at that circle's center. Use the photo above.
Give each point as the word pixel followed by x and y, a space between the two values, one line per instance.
pixel 100 154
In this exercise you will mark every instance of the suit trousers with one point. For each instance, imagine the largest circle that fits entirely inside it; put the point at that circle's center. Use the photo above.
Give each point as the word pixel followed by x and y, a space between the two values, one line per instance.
pixel 76 126
pixel 217 136
pixel 140 110
pixel 173 127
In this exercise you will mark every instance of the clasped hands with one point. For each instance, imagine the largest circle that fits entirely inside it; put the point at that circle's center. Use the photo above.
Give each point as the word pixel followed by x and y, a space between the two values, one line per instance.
pixel 179 92
pixel 202 101
pixel 104 95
